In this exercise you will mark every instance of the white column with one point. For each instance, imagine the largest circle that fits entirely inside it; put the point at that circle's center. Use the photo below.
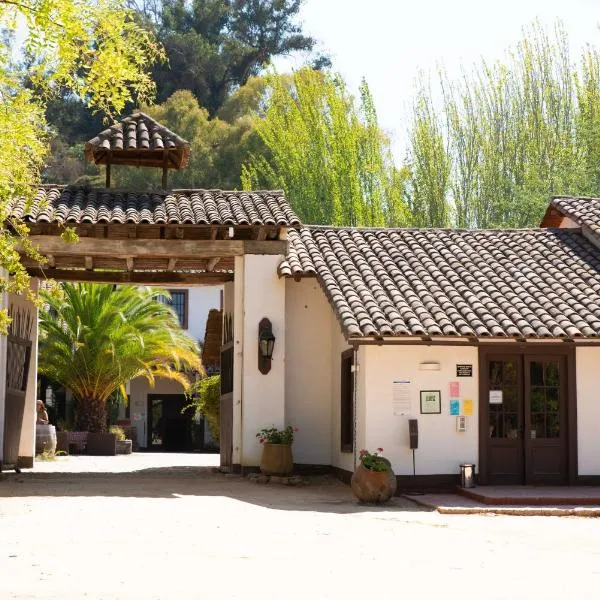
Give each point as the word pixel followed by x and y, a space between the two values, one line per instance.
pixel 259 400
pixel 27 444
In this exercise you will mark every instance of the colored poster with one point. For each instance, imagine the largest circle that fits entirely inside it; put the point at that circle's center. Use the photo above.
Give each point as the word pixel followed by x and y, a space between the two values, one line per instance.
pixel 454 408
pixel 454 389
pixel 468 408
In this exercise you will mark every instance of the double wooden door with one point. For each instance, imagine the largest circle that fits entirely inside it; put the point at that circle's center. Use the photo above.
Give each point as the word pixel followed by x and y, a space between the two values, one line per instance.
pixel 524 419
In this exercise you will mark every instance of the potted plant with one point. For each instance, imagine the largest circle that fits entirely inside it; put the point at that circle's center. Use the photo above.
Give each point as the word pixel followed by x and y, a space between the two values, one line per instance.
pixel 277 450
pixel 123 444
pixel 373 480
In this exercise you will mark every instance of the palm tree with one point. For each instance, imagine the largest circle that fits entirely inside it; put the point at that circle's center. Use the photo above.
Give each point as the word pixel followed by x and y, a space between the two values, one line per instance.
pixel 94 338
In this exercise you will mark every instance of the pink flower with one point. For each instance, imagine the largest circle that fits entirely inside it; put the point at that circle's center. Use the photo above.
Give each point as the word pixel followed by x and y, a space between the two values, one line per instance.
pixel 379 449
pixel 296 429
pixel 262 441
pixel 363 452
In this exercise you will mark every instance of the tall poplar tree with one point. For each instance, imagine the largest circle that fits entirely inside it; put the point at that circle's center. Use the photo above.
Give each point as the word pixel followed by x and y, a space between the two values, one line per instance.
pixel 491 149
pixel 327 152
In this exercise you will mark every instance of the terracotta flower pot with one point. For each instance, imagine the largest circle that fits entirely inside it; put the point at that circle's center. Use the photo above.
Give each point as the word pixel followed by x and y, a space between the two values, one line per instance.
pixel 373 486
pixel 276 459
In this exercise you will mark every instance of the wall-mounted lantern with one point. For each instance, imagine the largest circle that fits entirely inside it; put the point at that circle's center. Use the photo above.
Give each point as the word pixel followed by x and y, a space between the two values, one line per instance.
pixel 266 342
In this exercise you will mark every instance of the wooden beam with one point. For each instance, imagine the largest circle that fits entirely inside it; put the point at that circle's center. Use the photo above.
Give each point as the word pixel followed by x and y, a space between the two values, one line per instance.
pixel 214 232
pixel 134 277
pixel 212 263
pixel 89 263
pixel 261 234
pixel 129 261
pixel 171 265
pixel 91 247
pixel 51 260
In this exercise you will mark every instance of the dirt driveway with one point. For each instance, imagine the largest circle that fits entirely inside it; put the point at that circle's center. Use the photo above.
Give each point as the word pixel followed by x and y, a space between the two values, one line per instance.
pixel 184 533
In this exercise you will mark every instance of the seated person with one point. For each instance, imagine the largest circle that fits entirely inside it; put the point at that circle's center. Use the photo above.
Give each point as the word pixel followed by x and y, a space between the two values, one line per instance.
pixel 42 413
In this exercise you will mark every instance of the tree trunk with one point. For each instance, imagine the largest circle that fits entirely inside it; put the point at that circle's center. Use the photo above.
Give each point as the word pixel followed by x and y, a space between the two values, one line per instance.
pixel 90 415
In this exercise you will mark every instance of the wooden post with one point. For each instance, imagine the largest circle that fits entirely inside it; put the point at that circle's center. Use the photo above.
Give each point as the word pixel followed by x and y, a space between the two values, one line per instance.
pixel 165 174
pixel 107 174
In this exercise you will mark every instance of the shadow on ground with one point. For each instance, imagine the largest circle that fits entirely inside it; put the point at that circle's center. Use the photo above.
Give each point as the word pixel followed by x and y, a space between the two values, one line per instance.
pixel 319 494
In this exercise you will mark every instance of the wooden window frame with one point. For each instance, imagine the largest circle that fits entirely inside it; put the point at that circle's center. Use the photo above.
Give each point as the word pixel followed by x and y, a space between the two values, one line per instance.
pixel 186 305
pixel 347 384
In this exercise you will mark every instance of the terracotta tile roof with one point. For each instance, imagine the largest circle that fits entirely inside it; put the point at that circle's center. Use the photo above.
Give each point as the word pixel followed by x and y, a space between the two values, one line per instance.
pixel 584 211
pixel 136 132
pixel 536 283
pixel 72 204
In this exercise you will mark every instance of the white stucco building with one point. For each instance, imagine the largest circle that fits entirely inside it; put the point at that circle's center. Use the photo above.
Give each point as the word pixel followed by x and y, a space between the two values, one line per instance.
pixel 488 339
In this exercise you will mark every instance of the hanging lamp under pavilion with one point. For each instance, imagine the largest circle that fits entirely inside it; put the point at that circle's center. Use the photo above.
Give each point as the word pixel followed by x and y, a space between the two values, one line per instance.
pixel 138 141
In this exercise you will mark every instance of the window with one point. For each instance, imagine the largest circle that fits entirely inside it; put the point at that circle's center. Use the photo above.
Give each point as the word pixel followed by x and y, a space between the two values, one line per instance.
pixel 347 402
pixel 179 302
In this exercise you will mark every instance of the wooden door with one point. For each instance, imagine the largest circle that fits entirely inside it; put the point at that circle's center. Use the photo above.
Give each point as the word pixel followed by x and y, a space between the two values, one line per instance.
pixel 502 419
pixel 524 416
pixel 545 411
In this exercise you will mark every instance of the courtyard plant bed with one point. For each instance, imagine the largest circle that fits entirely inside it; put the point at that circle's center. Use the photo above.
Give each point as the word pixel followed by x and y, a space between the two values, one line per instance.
pixel 373 480
pixel 277 458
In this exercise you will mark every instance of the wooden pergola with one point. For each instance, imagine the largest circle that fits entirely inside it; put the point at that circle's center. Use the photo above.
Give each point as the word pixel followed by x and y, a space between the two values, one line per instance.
pixel 174 237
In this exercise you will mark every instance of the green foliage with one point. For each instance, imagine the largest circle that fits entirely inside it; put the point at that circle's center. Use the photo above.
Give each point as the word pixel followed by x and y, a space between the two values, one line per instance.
pixel 218 147
pixel 215 46
pixel 93 339
pixel 507 137
pixel 272 435
pixel 327 153
pixel 374 461
pixel 118 431
pixel 205 399
pixel 93 49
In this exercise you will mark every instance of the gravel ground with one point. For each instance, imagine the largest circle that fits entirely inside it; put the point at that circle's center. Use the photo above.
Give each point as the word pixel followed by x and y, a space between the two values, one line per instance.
pixel 189 533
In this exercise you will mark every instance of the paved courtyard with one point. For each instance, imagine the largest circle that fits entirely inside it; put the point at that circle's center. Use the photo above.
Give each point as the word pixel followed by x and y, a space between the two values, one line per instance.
pixel 178 532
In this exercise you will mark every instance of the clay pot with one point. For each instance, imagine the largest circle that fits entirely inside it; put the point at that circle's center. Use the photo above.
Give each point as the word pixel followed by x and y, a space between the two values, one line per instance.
pixel 277 459
pixel 373 486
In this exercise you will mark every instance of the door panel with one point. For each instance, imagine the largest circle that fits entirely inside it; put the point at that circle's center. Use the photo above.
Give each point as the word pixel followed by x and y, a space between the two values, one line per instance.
pixel 545 419
pixel 504 419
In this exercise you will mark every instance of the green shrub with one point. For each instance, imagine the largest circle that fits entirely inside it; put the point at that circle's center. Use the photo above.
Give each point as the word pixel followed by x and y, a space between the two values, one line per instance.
pixel 205 399
pixel 118 431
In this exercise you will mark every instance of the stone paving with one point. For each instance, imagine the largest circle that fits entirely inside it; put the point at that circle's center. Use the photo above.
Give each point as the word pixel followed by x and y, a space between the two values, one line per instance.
pixel 180 532
pixel 124 463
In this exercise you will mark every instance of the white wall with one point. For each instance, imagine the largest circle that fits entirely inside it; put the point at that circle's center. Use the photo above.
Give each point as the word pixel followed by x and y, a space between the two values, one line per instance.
pixel 308 376
pixel 262 396
pixel 441 448
pixel 27 442
pixel 588 410
pixel 200 301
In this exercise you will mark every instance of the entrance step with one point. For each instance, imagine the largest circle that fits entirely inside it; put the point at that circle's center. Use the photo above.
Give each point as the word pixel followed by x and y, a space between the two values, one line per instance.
pixel 533 495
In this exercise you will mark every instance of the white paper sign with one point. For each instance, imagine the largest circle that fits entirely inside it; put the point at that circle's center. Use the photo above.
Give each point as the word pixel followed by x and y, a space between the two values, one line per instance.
pixel 495 396
pixel 401 397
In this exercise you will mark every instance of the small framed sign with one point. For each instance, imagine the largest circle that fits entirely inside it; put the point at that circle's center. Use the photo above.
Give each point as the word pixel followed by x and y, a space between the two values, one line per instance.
pixel 431 402
pixel 464 370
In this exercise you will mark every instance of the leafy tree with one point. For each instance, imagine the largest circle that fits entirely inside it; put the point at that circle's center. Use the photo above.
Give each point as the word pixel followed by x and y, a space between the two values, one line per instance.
pixel 215 46
pixel 95 50
pixel 218 147
pixel 327 153
pixel 95 338
pixel 507 137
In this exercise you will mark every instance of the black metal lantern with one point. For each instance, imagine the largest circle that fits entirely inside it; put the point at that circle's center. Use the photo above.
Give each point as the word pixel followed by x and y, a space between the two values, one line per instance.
pixel 266 343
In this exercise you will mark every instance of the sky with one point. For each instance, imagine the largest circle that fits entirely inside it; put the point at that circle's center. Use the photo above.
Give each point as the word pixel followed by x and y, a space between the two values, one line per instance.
pixel 389 41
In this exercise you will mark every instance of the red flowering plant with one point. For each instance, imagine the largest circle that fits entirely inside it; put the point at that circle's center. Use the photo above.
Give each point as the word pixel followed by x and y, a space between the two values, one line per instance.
pixel 374 461
pixel 272 435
